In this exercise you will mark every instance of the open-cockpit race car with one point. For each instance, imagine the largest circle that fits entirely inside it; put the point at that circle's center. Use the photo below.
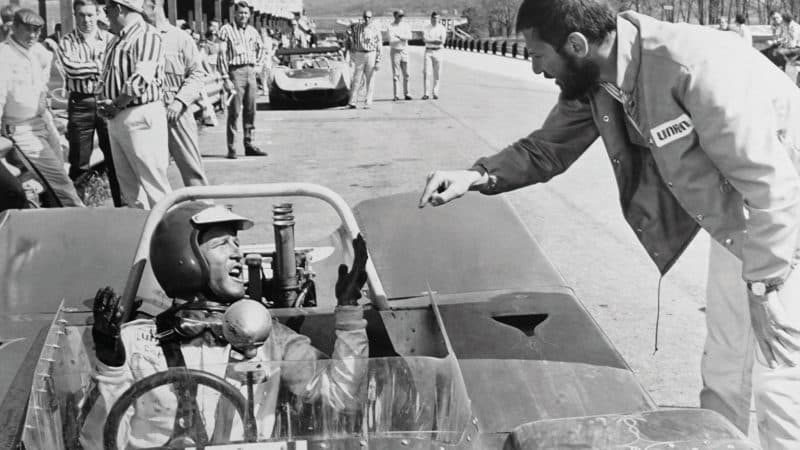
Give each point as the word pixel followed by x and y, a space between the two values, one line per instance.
pixel 317 76
pixel 473 343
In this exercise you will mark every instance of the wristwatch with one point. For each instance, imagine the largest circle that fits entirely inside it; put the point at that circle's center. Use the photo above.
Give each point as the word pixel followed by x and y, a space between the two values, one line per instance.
pixel 762 288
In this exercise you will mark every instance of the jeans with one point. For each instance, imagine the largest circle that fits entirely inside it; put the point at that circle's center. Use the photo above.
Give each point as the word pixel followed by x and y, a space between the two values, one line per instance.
pixel 83 121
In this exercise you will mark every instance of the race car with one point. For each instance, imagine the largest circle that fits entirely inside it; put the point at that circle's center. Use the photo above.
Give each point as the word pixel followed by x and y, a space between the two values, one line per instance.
pixel 474 343
pixel 309 77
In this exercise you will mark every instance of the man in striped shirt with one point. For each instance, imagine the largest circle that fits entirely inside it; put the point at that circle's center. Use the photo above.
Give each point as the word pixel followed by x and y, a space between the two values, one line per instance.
pixel 241 51
pixel 132 90
pixel 81 53
pixel 184 76
pixel 365 47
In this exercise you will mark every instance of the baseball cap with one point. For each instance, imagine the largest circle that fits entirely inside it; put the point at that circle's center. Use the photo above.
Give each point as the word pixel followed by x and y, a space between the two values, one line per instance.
pixel 399 12
pixel 136 5
pixel 27 16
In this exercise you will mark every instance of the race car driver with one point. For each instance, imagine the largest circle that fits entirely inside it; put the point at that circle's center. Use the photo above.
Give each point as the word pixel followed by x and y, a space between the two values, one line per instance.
pixel 196 258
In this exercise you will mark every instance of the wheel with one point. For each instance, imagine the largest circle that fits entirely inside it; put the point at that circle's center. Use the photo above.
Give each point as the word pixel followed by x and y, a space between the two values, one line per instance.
pixel 181 376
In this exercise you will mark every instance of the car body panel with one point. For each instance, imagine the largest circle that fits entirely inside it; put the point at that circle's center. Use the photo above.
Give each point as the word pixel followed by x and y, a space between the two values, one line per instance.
pixel 527 350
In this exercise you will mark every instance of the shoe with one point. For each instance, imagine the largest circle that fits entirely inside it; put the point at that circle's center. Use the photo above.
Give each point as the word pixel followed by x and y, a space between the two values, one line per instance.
pixel 367 106
pixel 435 97
pixel 425 97
pixel 396 98
pixel 408 97
pixel 351 106
pixel 231 156
pixel 254 151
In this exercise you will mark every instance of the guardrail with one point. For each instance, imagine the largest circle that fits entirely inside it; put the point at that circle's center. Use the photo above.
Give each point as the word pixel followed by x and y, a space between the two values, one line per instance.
pixel 511 47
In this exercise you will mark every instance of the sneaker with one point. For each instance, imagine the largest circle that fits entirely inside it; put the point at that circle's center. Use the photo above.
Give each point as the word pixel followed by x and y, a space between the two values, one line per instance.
pixel 231 155
pixel 367 106
pixel 351 106
pixel 425 97
pixel 435 97
pixel 408 97
pixel 396 98
pixel 254 151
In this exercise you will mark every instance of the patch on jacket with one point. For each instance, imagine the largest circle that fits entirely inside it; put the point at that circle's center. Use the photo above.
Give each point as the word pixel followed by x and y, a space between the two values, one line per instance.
pixel 672 130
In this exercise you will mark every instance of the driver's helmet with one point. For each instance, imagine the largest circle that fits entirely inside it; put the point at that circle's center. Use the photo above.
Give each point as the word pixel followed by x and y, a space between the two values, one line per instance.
pixel 175 255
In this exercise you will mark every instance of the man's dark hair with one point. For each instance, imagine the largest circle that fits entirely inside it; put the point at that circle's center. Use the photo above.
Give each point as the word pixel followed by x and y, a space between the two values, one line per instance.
pixel 787 17
pixel 554 20
pixel 242 4
pixel 740 19
pixel 81 3
pixel 27 16
pixel 7 13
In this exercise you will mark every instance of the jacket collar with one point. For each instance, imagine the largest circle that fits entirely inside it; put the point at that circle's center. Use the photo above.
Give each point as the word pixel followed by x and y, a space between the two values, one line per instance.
pixel 629 52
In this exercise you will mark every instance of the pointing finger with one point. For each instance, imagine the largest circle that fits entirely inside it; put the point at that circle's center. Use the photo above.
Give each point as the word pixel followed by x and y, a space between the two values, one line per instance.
pixel 434 180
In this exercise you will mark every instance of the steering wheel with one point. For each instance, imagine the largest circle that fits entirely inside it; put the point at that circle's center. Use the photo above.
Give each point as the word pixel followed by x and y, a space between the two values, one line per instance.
pixel 171 376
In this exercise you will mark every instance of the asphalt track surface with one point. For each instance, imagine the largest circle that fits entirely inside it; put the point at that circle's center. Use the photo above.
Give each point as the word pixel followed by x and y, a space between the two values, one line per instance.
pixel 486 103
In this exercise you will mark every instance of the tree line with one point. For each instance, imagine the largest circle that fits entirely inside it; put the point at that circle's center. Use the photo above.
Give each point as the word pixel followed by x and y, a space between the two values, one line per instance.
pixel 496 18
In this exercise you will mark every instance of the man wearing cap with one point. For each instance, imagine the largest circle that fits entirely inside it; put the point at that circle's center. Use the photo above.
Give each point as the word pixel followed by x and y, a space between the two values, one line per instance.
pixel 195 256
pixel 366 41
pixel 434 34
pixel 399 35
pixel 23 93
pixel 132 91
pixel 183 81
pixel 240 53
pixel 81 53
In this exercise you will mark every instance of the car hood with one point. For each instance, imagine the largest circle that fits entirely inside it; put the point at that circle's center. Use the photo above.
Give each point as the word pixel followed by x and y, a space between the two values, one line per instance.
pixel 309 79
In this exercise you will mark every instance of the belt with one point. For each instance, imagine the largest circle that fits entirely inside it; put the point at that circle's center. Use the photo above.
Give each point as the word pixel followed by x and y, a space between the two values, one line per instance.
pixel 433 48
pixel 238 66
pixel 81 95
pixel 364 51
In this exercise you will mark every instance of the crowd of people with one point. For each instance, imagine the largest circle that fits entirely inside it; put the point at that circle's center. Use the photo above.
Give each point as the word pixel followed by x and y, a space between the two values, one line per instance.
pixel 364 43
pixel 134 81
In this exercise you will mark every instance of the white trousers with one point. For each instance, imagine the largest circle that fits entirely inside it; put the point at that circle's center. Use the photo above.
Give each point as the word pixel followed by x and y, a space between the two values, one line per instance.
pixel 363 71
pixel 432 71
pixel 399 59
pixel 138 137
pixel 730 369
pixel 36 140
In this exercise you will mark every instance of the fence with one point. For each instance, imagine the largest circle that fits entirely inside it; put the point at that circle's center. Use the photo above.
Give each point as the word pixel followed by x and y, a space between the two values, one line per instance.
pixel 511 47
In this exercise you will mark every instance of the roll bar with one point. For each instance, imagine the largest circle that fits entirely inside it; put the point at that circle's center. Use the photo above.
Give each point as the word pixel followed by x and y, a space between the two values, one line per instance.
pixel 245 191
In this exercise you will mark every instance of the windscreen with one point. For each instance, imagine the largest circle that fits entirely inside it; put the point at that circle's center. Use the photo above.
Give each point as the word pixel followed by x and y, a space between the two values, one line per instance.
pixel 278 402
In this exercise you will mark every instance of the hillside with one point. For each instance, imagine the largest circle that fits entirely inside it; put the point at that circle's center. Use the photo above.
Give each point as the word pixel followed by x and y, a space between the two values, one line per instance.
pixel 317 8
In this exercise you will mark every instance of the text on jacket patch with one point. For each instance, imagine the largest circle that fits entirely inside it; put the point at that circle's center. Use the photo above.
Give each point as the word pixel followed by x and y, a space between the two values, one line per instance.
pixel 672 130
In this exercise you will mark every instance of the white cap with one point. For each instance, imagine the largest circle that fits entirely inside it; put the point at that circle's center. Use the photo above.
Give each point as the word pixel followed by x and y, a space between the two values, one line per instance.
pixel 218 214
pixel 136 5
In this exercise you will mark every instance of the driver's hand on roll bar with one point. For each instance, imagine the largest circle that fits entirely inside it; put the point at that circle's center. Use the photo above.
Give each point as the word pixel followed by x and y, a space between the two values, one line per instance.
pixel 108 313
pixel 443 186
pixel 349 283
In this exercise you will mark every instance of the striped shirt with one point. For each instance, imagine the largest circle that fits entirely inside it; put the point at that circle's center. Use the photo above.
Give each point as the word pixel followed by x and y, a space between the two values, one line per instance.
pixel 240 46
pixel 134 65
pixel 82 59
pixel 366 38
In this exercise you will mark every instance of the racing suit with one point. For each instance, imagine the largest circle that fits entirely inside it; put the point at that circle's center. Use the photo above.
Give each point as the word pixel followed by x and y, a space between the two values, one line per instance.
pixel 150 422
pixel 695 141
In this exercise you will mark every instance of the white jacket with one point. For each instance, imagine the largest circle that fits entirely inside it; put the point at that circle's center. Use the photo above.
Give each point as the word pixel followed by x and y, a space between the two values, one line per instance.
pixel 150 422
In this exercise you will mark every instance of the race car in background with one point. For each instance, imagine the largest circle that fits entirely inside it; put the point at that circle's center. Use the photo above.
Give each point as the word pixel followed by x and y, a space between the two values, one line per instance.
pixel 309 77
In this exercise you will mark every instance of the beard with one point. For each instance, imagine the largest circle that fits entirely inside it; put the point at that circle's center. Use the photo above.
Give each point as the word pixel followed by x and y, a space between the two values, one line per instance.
pixel 580 79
